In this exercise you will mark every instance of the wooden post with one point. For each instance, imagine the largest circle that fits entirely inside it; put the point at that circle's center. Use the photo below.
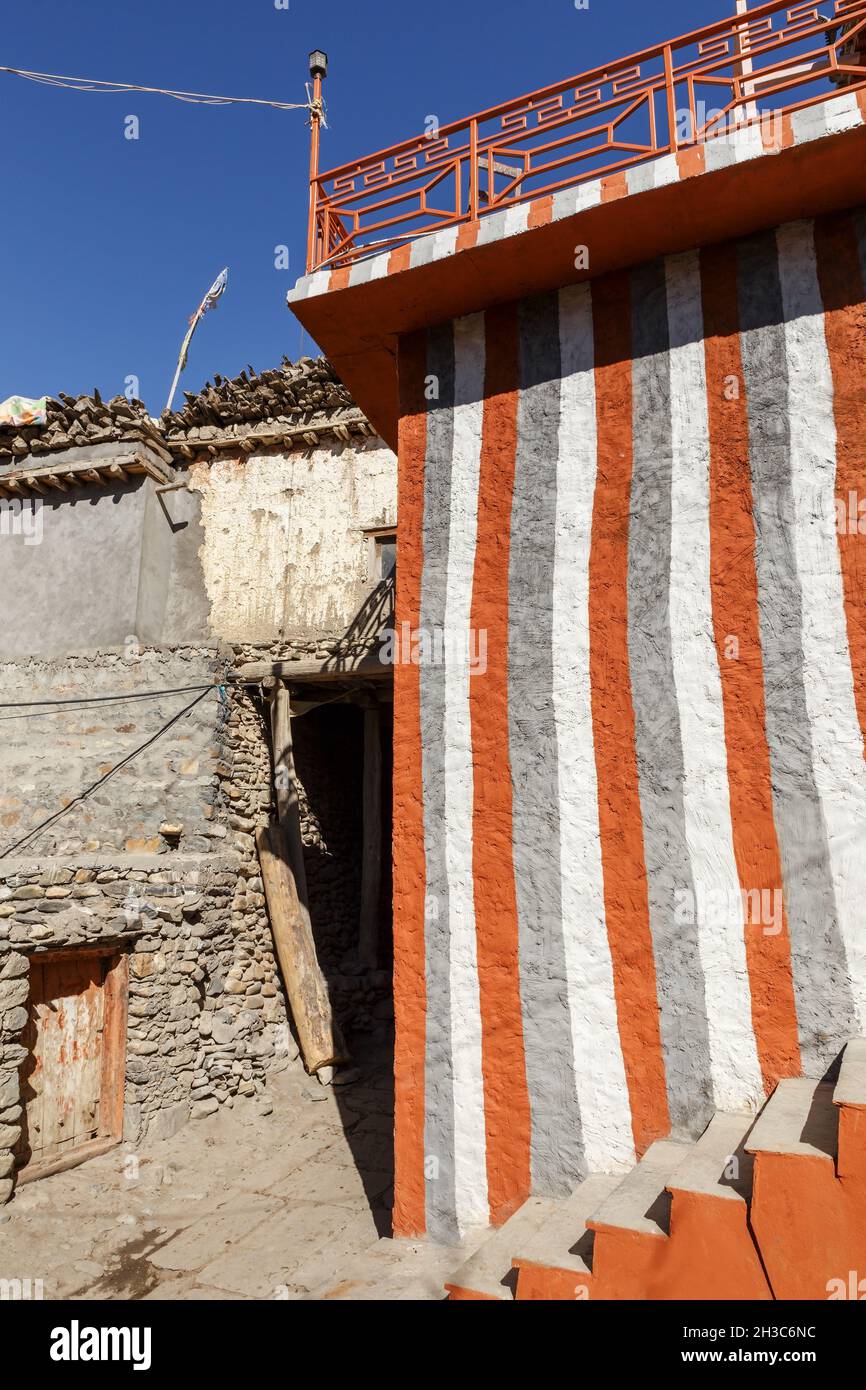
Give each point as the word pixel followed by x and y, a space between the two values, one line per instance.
pixel 318 1033
pixel 281 854
pixel 371 830
pixel 286 787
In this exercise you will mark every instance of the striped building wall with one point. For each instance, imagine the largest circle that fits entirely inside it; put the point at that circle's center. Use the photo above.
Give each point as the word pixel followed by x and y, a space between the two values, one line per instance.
pixel 630 884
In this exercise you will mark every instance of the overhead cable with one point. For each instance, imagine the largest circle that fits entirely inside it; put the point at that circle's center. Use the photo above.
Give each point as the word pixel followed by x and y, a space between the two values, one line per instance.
pixel 95 84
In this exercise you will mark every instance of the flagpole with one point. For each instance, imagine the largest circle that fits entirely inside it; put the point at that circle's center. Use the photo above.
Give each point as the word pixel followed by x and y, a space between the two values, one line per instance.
pixel 181 362
pixel 213 294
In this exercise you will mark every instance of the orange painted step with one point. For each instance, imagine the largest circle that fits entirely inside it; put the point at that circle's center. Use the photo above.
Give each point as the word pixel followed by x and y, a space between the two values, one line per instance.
pixel 678 1229
pixel 809 1193
pixel 711 1253
pixel 631 1226
pixel 553 1263
pixel 487 1275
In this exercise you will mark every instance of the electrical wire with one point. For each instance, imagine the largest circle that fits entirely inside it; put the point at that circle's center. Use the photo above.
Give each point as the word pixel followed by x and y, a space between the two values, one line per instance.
pixel 57 705
pixel 36 709
pixel 90 700
pixel 95 84
pixel 100 782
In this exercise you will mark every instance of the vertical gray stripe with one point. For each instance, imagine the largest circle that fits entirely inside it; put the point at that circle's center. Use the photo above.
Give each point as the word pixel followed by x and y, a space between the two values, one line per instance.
pixel 557 1141
pixel 821 988
pixel 673 920
pixel 439 1094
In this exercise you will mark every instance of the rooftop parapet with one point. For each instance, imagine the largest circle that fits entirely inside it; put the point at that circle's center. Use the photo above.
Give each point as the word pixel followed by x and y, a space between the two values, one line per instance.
pixel 746 124
pixel 685 93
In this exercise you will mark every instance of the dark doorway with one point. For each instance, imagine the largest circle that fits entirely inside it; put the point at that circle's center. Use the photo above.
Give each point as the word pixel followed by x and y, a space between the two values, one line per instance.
pixel 332 745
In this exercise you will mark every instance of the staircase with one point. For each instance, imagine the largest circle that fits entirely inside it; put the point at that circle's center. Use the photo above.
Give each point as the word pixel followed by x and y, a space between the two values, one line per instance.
pixel 764 1207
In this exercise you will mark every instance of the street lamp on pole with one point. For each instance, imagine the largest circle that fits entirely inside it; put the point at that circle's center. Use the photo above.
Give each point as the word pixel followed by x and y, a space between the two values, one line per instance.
pixel 318 72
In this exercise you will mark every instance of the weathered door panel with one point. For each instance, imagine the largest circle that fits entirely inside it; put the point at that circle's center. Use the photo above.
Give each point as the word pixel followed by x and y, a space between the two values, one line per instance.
pixel 72 1078
pixel 69 1027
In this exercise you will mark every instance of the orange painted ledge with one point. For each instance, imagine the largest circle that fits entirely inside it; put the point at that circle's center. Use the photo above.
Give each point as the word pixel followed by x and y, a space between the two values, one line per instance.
pixel 358 325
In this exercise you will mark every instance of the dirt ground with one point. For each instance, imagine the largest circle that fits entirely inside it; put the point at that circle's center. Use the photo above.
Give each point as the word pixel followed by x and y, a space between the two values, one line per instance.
pixel 287 1196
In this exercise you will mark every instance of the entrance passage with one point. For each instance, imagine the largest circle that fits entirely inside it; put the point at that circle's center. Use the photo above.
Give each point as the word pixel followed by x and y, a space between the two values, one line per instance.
pixel 72 1076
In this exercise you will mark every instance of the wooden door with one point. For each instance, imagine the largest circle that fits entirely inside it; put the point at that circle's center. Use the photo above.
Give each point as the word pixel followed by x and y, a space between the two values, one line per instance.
pixel 73 1071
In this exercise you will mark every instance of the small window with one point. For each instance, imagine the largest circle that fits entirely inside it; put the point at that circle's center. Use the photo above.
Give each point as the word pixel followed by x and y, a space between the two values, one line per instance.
pixel 386 557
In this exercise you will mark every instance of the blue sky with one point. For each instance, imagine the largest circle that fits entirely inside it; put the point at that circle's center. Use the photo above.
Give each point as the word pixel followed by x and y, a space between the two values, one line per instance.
pixel 108 244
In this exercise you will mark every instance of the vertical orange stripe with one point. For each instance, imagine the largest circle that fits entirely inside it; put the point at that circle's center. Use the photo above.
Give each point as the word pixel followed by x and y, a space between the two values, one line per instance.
pixel 339 278
pixel 841 279
pixel 614 186
pixel 506 1096
pixel 399 259
pixel 734 582
pixel 622 847
pixel 540 212
pixel 410 995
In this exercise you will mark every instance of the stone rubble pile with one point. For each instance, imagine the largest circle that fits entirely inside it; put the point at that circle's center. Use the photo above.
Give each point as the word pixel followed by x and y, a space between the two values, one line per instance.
pixel 73 421
pixel 300 392
pixel 305 393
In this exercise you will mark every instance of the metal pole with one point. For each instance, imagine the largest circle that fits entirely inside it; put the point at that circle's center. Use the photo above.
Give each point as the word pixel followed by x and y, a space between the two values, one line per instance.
pixel 671 98
pixel 315 138
pixel 744 66
pixel 473 172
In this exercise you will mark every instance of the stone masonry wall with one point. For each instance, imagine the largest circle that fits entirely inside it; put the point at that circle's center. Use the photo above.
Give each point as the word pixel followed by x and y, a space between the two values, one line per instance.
pixel 207 1016
pixel 104 711
pixel 161 862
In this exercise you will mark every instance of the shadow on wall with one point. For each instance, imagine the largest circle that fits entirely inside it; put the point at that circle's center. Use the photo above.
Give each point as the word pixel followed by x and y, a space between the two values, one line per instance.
pixel 373 617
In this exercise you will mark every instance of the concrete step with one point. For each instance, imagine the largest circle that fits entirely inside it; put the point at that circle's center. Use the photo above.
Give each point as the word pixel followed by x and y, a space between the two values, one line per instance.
pixel 850 1089
pixel 676 1228
pixel 711 1253
pixel 641 1202
pixel 798 1120
pixel 718 1165
pixel 487 1275
pixel 554 1261
pixel 810 1227
pixel 849 1098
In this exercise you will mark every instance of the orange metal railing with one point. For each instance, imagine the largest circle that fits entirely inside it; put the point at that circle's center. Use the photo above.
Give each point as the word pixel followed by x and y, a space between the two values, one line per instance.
pixel 775 58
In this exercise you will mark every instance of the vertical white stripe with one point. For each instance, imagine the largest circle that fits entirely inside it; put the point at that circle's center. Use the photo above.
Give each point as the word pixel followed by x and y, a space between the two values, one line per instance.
pixel 470 1164
pixel 734 1067
pixel 600 1079
pixel 836 737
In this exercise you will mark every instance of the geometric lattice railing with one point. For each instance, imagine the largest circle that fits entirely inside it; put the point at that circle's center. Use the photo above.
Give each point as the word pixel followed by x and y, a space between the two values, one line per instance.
pixel 774 58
